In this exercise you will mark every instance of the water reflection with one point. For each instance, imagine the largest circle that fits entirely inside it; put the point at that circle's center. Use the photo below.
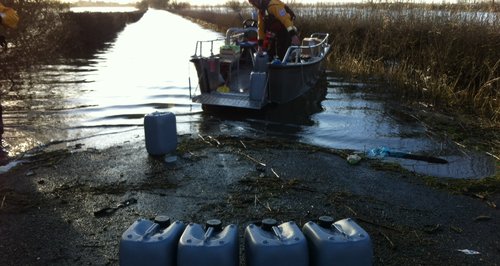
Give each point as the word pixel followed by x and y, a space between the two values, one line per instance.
pixel 468 165
pixel 356 116
pixel 101 102
pixel 103 9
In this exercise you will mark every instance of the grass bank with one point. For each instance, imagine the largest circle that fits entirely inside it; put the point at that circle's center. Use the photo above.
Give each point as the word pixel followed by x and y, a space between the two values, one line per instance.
pixel 447 56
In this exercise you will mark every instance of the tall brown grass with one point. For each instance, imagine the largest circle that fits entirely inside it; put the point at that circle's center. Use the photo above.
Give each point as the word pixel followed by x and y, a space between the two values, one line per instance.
pixel 445 55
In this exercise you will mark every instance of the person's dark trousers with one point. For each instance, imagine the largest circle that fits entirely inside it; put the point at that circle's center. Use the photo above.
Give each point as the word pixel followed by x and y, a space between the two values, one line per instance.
pixel 3 154
pixel 280 44
pixel 1 123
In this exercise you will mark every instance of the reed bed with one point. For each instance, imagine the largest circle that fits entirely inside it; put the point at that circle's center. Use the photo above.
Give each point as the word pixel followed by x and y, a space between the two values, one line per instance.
pixel 445 55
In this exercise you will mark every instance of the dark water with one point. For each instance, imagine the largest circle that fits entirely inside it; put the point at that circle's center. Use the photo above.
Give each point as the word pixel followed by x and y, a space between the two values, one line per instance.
pixel 101 102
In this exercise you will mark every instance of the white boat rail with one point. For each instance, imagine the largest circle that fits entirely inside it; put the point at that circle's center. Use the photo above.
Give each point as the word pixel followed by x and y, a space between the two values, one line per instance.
pixel 231 35
pixel 297 50
pixel 236 33
pixel 199 47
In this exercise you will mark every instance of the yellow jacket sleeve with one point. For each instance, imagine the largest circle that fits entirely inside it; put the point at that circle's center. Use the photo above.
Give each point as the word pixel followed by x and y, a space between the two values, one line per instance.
pixel 8 17
pixel 277 9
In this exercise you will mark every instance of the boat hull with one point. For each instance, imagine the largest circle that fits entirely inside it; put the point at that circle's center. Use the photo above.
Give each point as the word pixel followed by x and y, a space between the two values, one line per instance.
pixel 287 82
pixel 241 78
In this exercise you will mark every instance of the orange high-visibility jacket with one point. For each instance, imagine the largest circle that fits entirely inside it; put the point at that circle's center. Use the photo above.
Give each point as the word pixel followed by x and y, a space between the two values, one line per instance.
pixel 277 9
pixel 9 17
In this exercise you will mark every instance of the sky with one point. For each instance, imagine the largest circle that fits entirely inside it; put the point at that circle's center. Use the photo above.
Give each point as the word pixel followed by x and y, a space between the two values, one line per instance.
pixel 195 2
pixel 214 2
pixel 203 2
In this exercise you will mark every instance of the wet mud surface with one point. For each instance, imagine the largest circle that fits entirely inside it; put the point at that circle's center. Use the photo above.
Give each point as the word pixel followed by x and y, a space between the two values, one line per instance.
pixel 48 203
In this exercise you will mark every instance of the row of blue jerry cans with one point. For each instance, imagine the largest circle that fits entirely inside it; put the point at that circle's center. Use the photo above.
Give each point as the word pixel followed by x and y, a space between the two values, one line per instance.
pixel 320 243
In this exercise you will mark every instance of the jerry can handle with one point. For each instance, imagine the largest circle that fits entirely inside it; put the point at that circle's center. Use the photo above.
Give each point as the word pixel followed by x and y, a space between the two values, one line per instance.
pixel 277 232
pixel 208 233
pixel 340 230
pixel 151 230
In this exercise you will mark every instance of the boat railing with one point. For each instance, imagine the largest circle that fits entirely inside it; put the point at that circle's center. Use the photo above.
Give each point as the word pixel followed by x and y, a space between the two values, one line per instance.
pixel 295 51
pixel 198 52
pixel 231 35
pixel 237 33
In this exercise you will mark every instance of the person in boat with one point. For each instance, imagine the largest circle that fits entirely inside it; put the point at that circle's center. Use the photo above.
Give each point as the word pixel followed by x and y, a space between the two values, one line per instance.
pixel 8 19
pixel 275 26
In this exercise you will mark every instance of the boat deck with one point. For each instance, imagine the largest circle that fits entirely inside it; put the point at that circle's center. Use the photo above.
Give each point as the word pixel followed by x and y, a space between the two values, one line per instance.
pixel 238 100
pixel 237 78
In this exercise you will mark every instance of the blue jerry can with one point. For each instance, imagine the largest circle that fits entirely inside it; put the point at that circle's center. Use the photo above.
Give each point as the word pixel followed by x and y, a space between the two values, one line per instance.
pixel 151 243
pixel 341 243
pixel 261 61
pixel 275 245
pixel 209 246
pixel 160 131
pixel 258 84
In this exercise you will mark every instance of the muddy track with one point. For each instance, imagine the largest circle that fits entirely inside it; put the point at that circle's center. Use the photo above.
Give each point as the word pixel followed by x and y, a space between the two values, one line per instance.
pixel 48 203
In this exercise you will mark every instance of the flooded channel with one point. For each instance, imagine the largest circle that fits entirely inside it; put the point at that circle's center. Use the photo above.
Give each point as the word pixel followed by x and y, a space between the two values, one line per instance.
pixel 101 102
